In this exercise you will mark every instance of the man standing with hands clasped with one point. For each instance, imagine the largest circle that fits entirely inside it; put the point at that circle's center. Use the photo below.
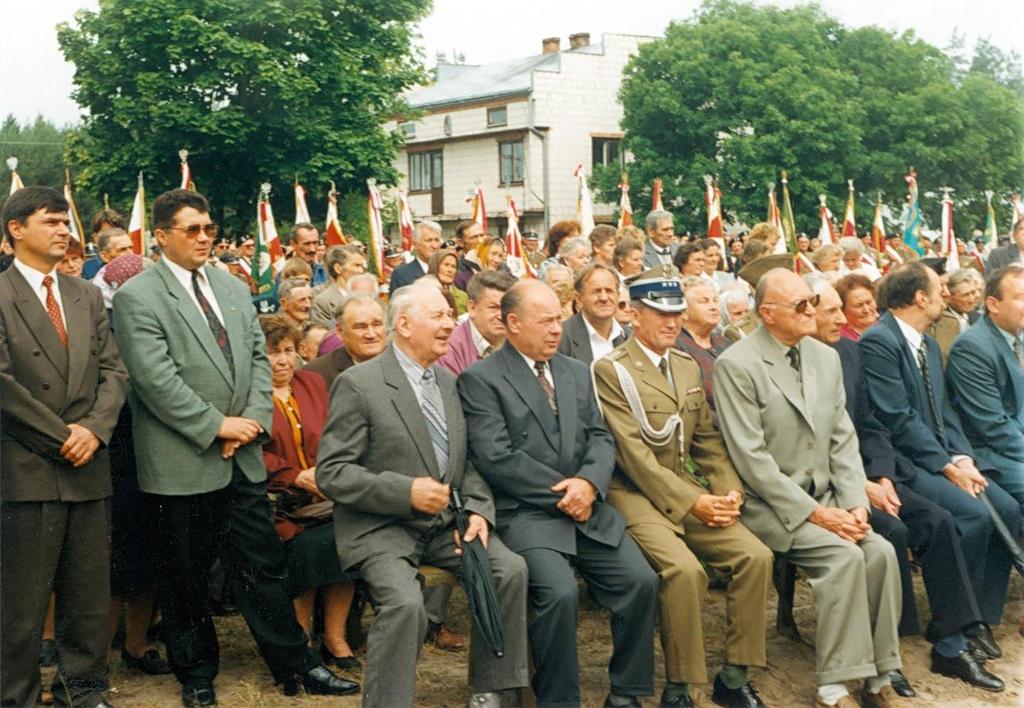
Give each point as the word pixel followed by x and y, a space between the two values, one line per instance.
pixel 201 408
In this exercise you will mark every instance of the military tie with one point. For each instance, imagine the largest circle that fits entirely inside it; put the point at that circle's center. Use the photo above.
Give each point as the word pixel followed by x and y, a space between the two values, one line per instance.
pixel 922 361
pixel 545 385
pixel 1018 351
pixel 663 368
pixel 437 424
pixel 216 326
pixel 53 310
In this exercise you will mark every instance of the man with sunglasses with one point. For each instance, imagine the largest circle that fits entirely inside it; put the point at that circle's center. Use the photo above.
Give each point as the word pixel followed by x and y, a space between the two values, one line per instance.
pixel 781 404
pixel 201 406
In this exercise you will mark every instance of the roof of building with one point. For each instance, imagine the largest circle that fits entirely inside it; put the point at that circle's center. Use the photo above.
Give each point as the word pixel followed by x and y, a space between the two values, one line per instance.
pixel 481 83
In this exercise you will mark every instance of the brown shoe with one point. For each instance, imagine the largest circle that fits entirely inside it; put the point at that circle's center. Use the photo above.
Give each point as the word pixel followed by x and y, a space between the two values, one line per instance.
pixel 844 702
pixel 886 698
pixel 445 639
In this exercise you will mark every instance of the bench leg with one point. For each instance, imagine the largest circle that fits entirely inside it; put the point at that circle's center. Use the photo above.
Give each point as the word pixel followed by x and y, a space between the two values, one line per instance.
pixel 784 579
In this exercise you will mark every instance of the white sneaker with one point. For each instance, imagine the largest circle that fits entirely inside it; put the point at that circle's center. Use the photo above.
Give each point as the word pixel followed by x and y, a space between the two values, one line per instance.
pixel 491 699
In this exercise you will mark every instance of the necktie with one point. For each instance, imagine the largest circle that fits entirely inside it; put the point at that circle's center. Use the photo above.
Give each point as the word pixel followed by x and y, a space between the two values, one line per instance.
pixel 53 310
pixel 922 361
pixel 546 386
pixel 794 358
pixel 487 352
pixel 433 414
pixel 663 368
pixel 1018 351
pixel 219 333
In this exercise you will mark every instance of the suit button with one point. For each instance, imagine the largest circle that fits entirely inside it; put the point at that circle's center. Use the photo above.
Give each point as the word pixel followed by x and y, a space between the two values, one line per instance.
pixel 36 353
pixel 46 387
pixel 810 445
pixel 668 511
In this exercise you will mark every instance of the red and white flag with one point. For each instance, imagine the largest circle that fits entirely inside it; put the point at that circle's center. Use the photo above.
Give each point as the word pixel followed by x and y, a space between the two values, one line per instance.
pixel 478 210
pixel 268 231
pixel 405 220
pixel 16 184
pixel 301 210
pixel 374 206
pixel 1015 202
pixel 137 220
pixel 75 223
pixel 656 204
pixel 625 207
pixel 947 243
pixel 803 264
pixel 333 235
pixel 775 219
pixel 516 260
pixel 584 202
pixel 713 203
pixel 826 231
pixel 186 172
pixel 849 221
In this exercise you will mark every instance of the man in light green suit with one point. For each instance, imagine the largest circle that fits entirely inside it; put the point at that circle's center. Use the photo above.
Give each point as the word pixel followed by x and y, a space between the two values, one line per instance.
pixel 781 405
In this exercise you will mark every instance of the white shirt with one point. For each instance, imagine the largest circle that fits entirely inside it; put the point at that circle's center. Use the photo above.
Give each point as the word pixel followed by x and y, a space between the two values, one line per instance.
pixel 655 359
pixel 599 346
pixel 185 278
pixel 413 372
pixel 914 338
pixel 423 265
pixel 547 368
pixel 35 281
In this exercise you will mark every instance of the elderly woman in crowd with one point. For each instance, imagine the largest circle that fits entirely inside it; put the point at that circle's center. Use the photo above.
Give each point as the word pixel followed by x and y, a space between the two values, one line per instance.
pixel 855 259
pixel 341 263
pixel 560 278
pixel 699 337
pixel 857 293
pixel 556 234
pixel 827 258
pixel 689 259
pixel 628 258
pixel 492 253
pixel 302 516
pixel 445 265
pixel 575 253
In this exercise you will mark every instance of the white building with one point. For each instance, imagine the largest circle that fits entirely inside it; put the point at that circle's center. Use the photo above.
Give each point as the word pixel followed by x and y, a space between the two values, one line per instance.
pixel 519 128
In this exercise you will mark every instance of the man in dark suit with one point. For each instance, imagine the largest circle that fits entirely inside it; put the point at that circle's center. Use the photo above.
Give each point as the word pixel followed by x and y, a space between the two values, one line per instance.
pixel 899 514
pixel 201 408
pixel 61 388
pixel 593 331
pixel 360 325
pixel 539 441
pixel 392 500
pixel 1010 253
pixel 426 242
pixel 659 247
pixel 986 380
pixel 903 371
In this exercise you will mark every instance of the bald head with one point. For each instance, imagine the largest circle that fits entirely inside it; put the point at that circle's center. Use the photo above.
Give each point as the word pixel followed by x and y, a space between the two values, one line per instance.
pixel 533 319
pixel 786 306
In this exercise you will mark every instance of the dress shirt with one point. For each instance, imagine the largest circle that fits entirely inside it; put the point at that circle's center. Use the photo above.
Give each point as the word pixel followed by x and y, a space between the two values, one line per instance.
pixel 423 264
pixel 963 320
pixel 35 281
pixel 481 344
pixel 913 337
pixel 664 253
pixel 413 371
pixel 599 346
pixel 1010 339
pixel 185 278
pixel 655 358
pixel 533 370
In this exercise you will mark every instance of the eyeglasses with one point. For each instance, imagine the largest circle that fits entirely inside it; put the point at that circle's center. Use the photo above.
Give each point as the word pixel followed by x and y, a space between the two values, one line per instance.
pixel 800 305
pixel 192 231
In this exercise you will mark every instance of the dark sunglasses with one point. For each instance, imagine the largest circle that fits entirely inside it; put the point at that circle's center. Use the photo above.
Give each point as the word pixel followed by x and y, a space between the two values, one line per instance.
pixel 800 305
pixel 193 230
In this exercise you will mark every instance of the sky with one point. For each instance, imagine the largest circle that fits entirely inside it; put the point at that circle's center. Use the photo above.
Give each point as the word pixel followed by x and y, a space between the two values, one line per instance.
pixel 36 79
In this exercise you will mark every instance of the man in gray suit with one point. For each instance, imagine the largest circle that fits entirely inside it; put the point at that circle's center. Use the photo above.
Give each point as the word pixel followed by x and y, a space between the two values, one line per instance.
pixel 61 388
pixel 782 408
pixel 659 248
pixel 201 406
pixel 393 448
pixel 1009 254
pixel 593 331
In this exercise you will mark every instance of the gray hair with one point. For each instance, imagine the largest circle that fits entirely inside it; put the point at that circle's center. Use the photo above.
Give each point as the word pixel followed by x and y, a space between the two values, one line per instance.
pixel 285 290
pixel 571 245
pixel 355 280
pixel 851 243
pixel 104 237
pixel 965 275
pixel 405 299
pixel 823 252
pixel 430 226
pixel 338 256
pixel 730 296
pixel 557 268
pixel 694 281
pixel 817 283
pixel 653 217
pixel 339 312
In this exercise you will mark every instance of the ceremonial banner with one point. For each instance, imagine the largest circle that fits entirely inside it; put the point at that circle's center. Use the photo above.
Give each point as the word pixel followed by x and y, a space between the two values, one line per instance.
pixel 713 203
pixel 775 219
pixel 516 259
pixel 826 230
pixel 137 220
pixel 262 267
pixel 948 240
pixel 849 220
pixel 788 224
pixel 186 172
pixel 301 211
pixel 991 232
pixel 268 234
pixel 878 227
pixel 656 204
pixel 374 205
pixel 75 225
pixel 584 203
pixel 404 220
pixel 1018 210
pixel 333 235
pixel 12 165
pixel 625 207
pixel 478 211
pixel 912 219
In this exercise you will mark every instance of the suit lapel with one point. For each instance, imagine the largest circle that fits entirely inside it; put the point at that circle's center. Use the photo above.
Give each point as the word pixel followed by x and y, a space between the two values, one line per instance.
pixel 782 374
pixel 38 322
pixel 524 383
pixel 456 430
pixel 195 320
pixel 649 373
pixel 1013 369
pixel 78 324
pixel 909 361
pixel 240 349
pixel 581 339
pixel 408 409
pixel 565 398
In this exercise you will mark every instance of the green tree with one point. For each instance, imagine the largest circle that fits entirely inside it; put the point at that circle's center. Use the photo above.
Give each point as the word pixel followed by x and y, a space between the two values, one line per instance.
pixel 255 91
pixel 743 92
pixel 39 147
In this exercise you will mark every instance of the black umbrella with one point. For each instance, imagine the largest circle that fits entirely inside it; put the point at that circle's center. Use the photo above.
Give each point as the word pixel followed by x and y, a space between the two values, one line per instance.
pixel 478 581
pixel 1011 543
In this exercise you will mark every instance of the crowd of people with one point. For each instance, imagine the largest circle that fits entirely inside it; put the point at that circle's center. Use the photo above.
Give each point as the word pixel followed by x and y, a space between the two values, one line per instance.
pixel 649 411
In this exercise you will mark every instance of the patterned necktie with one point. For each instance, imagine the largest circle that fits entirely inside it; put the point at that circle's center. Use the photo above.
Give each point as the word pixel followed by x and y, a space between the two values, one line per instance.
pixel 545 385
pixel 1018 351
pixel 219 333
pixel 53 310
pixel 922 361
pixel 433 414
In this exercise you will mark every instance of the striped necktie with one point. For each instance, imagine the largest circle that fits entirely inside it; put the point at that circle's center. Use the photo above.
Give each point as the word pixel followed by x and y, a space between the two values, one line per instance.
pixel 922 361
pixel 433 414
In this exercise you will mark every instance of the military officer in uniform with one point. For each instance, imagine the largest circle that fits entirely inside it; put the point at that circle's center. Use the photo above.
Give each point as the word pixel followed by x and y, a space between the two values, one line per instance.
pixel 681 496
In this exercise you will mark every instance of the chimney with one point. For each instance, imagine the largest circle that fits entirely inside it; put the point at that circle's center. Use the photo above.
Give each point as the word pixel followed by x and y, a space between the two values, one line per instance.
pixel 551 45
pixel 580 39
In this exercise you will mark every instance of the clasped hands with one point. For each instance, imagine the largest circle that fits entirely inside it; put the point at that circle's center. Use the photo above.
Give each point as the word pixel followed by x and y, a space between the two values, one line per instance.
pixel 235 432
pixel 718 511
pixel 882 495
pixel 965 475
pixel 429 496
pixel 849 525
pixel 80 446
pixel 578 495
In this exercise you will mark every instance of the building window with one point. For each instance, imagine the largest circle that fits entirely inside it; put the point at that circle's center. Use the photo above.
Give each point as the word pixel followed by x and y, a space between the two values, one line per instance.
pixel 425 171
pixel 607 151
pixel 510 159
pixel 497 116
pixel 409 129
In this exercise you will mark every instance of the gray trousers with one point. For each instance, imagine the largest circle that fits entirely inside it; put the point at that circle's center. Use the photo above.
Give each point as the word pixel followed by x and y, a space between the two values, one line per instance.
pixel 61 547
pixel 857 600
pixel 397 632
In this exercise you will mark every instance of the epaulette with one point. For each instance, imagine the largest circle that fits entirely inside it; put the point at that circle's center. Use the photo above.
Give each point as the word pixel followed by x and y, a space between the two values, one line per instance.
pixel 615 354
pixel 680 352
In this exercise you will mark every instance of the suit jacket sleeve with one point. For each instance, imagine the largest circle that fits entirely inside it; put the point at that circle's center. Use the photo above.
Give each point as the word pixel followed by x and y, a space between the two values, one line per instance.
pixel 973 379
pixel 875 447
pixel 476 495
pixel 260 404
pixel 155 379
pixel 340 474
pixel 743 429
pixel 845 466
pixel 599 459
pixel 506 468
pixel 113 381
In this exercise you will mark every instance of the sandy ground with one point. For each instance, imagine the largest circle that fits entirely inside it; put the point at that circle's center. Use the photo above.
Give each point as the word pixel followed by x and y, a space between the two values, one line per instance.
pixel 788 680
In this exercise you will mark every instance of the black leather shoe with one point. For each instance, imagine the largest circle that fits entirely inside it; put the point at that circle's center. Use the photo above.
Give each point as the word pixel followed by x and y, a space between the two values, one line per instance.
pixel 198 693
pixel 901 685
pixel 981 634
pixel 683 701
pixel 966 668
pixel 743 697
pixel 149 663
pixel 634 702
pixel 319 681
pixel 104 703
pixel 979 654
